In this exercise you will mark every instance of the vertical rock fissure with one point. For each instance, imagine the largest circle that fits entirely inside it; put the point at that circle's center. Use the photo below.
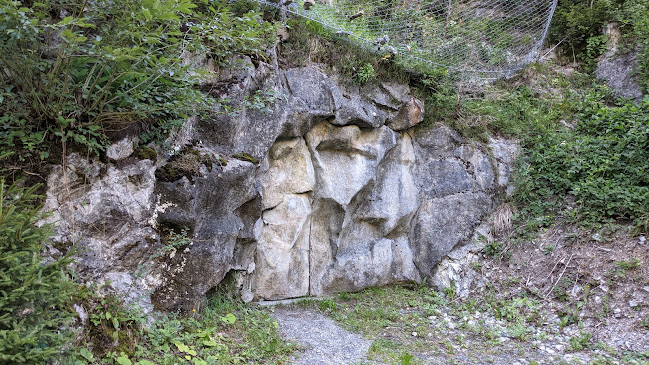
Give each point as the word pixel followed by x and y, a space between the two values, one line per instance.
pixel 309 252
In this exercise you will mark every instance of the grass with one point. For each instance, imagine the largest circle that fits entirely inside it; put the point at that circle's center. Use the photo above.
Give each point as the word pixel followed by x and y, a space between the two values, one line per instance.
pixel 227 331
pixel 419 325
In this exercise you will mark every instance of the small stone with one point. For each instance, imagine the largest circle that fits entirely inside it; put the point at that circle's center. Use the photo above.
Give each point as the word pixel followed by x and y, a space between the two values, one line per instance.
pixel 414 334
pixel 451 325
pixel 81 311
pixel 247 296
pixel 120 150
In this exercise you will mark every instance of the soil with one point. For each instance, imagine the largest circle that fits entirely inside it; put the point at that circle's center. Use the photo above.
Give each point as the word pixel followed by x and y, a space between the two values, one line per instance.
pixel 588 281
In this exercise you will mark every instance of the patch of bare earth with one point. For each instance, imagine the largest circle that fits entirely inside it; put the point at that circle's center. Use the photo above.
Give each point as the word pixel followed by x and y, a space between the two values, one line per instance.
pixel 589 284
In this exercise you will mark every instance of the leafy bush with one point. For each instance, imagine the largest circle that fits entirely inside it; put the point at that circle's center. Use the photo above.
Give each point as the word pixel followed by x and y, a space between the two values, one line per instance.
pixel 579 24
pixel 603 164
pixel 35 294
pixel 225 332
pixel 74 72
pixel 576 21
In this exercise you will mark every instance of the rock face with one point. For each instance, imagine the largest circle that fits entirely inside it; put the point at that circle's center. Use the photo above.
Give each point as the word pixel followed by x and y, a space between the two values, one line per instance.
pixel 617 68
pixel 325 189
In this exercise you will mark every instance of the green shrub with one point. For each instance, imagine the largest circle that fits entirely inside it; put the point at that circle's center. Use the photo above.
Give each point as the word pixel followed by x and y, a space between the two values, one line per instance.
pixel 35 294
pixel 603 164
pixel 579 23
pixel 576 21
pixel 75 72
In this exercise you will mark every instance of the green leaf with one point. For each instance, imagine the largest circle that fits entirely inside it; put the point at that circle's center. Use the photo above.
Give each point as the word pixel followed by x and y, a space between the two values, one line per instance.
pixel 168 16
pixel 210 343
pixel 229 318
pixel 67 34
pixel 184 348
pixel 186 7
pixel 86 354
pixel 67 20
pixel 147 14
pixel 124 360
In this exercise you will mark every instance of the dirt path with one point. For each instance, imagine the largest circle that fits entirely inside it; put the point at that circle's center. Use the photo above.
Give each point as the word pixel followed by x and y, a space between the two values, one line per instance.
pixel 322 340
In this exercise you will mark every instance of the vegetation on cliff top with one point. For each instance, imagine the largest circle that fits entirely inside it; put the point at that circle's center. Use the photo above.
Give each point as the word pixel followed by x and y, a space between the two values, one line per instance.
pixel 75 74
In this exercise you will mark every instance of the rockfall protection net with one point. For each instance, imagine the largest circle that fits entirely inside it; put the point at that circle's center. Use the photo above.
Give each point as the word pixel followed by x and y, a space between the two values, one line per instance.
pixel 486 39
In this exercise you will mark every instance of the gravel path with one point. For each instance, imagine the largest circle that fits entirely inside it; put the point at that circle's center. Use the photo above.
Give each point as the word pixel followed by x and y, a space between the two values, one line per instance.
pixel 322 340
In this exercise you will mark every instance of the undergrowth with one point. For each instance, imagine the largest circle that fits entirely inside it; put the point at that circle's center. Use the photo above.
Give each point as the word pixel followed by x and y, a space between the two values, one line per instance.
pixel 577 29
pixel 601 165
pixel 226 331
pixel 75 74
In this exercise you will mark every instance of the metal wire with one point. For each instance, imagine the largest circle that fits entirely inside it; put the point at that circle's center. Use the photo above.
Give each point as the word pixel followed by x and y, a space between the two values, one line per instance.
pixel 482 39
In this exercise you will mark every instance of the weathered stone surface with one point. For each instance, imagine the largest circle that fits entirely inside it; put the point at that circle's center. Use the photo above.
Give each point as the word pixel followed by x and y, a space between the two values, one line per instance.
pixel 389 95
pixel 361 242
pixel 443 223
pixel 355 109
pixel 105 213
pixel 290 172
pixel 282 258
pixel 121 149
pixel 455 179
pixel 282 261
pixel 505 154
pixel 345 159
pixel 617 68
pixel 208 209
pixel 411 114
pixel 343 194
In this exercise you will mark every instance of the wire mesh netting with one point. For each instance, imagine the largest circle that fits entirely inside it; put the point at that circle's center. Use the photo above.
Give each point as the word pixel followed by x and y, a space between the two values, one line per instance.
pixel 485 38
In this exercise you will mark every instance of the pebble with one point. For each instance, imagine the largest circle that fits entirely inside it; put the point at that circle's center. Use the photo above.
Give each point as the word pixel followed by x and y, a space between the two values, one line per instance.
pixel 414 334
